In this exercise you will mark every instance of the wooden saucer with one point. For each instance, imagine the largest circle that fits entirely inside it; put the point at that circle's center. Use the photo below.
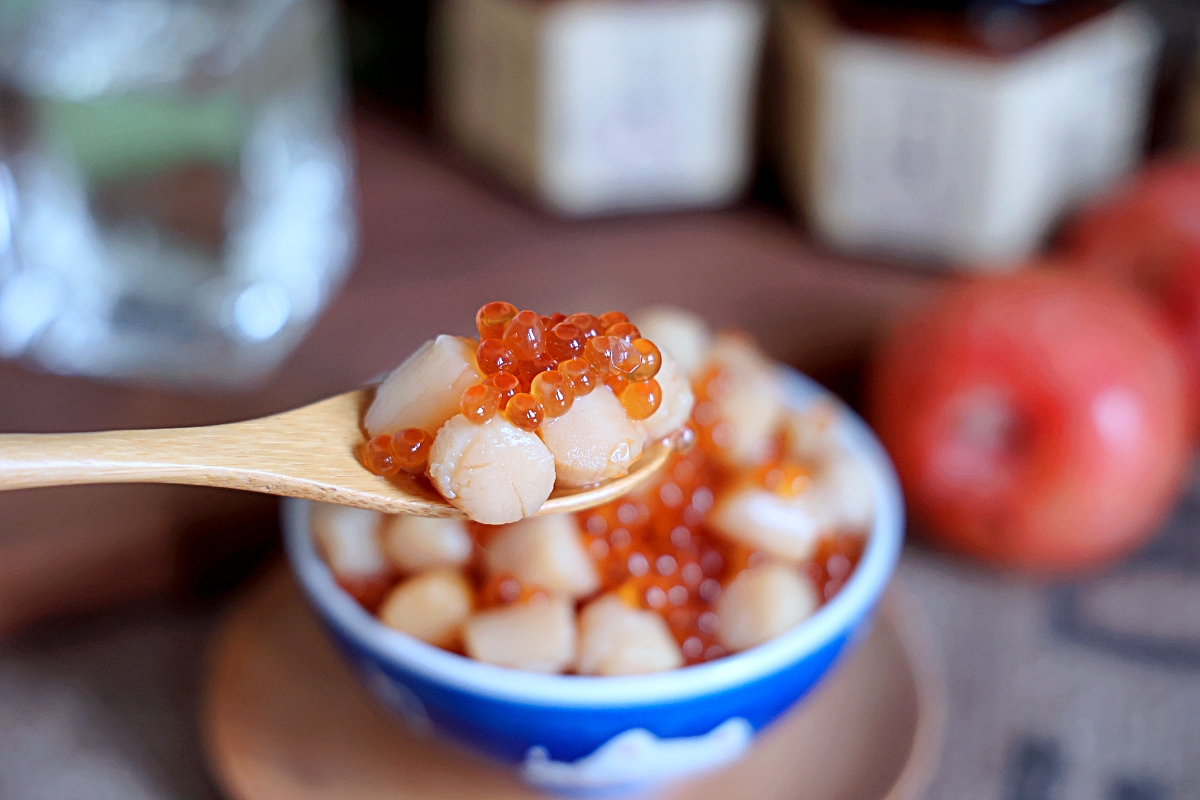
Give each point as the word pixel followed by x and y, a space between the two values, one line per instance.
pixel 284 719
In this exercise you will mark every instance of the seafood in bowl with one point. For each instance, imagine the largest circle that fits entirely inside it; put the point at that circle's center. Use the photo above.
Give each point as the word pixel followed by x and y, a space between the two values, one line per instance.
pixel 686 617
pixel 495 423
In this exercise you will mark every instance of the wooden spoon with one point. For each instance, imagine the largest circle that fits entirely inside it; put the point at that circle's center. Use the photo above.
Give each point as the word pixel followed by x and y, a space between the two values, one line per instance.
pixel 310 452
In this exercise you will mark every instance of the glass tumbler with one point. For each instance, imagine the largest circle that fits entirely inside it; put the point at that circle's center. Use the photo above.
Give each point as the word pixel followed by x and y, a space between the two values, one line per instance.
pixel 175 187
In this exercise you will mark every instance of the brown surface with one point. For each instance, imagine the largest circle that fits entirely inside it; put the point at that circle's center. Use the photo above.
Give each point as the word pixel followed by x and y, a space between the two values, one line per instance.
pixel 435 245
pixel 285 720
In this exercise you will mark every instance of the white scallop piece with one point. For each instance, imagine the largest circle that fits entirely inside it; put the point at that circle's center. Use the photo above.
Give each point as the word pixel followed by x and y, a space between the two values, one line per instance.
pixel 751 407
pixel 494 473
pixel 431 606
pixel 808 434
pixel 615 639
pixel 546 552
pixel 424 391
pixel 415 544
pixel 594 441
pixel 677 401
pixel 538 636
pixel 760 604
pixel 841 494
pixel 751 515
pixel 349 539
pixel 682 333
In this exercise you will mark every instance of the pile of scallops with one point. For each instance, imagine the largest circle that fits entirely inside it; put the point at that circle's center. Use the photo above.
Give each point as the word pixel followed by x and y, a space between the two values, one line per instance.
pixel 558 593
pixel 535 402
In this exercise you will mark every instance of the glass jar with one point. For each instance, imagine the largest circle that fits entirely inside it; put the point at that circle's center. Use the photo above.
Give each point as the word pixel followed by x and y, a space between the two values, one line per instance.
pixel 605 106
pixel 958 130
pixel 175 189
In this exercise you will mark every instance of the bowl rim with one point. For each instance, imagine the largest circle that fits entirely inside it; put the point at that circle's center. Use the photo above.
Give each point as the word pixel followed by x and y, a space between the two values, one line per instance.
pixel 840 615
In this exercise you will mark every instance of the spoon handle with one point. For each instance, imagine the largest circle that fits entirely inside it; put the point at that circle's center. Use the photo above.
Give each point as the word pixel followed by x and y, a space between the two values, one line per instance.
pixel 221 455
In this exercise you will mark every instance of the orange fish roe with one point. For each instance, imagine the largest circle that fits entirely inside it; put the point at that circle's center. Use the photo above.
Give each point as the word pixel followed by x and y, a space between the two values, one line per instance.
pixel 548 360
pixel 589 325
pixel 653 549
pixel 624 330
pixel 554 392
pixel 493 356
pixel 479 402
pixel 525 335
pixel 506 386
pixel 617 383
pixel 649 360
pixel 566 341
pixel 641 398
pixel 377 456
pixel 610 318
pixel 410 448
pixel 406 450
pixel 835 559
pixel 656 552
pixel 492 319
pixel 583 375
pixel 524 411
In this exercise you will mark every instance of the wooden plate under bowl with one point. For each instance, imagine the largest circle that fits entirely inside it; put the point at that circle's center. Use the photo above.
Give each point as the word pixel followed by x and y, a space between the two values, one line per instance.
pixel 284 719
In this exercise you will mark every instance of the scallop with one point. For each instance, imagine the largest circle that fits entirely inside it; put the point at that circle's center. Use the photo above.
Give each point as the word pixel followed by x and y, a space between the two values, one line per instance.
pixel 546 552
pixel 677 401
pixel 784 528
pixel 424 391
pixel 759 604
pixel 349 538
pixel 808 433
pixel 615 639
pixel 494 473
pixel 594 441
pixel 682 334
pixel 431 606
pixel 538 636
pixel 415 544
pixel 750 404
pixel 841 493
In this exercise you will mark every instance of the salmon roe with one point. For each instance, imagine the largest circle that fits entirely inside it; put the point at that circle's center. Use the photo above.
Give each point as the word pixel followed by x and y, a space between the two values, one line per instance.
pixel 525 335
pixel 410 448
pixel 506 386
pixel 493 318
pixel 624 330
pixel 524 411
pixel 641 398
pixel 377 454
pixel 493 356
pixel 534 368
pixel 406 450
pixel 582 375
pixel 554 392
pixel 653 548
pixel 649 360
pixel 610 318
pixel 479 403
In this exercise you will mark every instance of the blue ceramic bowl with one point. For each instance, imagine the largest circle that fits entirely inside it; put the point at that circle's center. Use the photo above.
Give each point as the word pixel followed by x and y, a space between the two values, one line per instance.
pixel 595 735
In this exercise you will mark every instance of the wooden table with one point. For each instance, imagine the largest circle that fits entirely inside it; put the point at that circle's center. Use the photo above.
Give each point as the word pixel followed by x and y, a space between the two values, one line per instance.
pixel 436 242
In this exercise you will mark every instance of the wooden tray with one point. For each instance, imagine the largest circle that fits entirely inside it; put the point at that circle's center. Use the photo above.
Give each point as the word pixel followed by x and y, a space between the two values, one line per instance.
pixel 284 719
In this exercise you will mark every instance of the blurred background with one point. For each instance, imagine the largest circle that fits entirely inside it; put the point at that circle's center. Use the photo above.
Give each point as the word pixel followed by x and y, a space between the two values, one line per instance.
pixel 217 209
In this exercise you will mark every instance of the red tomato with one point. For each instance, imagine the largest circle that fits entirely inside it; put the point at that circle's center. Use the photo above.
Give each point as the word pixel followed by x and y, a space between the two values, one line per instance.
pixel 1147 235
pixel 1035 420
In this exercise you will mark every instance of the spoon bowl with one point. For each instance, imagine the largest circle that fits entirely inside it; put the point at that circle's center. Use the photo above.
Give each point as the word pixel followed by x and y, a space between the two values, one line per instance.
pixel 309 453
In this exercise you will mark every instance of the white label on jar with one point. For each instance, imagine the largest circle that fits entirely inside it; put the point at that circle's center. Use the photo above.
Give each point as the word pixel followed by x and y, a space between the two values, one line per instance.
pixel 929 152
pixel 647 104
